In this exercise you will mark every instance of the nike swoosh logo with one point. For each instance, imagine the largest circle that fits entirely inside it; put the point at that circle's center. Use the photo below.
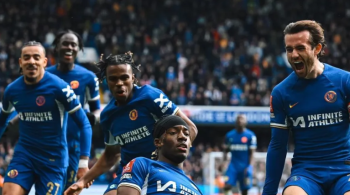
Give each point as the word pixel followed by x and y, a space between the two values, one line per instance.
pixel 15 102
pixel 291 106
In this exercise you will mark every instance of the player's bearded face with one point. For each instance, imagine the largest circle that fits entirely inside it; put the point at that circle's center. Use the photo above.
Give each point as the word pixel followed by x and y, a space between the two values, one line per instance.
pixel 176 144
pixel 68 48
pixel 301 55
pixel 33 62
pixel 120 79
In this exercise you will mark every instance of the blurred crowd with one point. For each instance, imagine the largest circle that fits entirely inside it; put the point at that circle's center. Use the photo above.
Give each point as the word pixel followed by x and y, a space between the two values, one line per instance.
pixel 227 52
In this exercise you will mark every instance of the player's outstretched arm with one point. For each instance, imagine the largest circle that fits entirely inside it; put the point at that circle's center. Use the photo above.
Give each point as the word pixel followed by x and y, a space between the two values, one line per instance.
pixel 108 158
pixel 81 119
pixel 193 128
pixel 275 159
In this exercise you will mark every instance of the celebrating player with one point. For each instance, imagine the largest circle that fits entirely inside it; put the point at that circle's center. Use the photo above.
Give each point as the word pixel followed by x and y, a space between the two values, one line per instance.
pixel 313 103
pixel 42 101
pixel 86 86
pixel 128 119
pixel 241 142
pixel 145 176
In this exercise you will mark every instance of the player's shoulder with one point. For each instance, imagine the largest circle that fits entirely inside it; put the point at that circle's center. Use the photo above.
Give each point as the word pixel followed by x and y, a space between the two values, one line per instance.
pixel 334 73
pixel 287 83
pixel 51 68
pixel 140 161
pixel 231 133
pixel 109 106
pixel 250 132
pixel 54 80
pixel 151 91
pixel 147 92
pixel 331 69
pixel 82 69
pixel 15 86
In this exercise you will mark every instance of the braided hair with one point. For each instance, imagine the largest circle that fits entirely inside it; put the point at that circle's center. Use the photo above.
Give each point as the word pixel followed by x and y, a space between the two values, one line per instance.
pixel 115 60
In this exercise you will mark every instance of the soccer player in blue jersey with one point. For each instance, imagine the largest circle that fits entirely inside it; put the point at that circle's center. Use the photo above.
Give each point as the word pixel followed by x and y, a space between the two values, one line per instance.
pixel 165 176
pixel 86 86
pixel 127 121
pixel 42 101
pixel 314 103
pixel 241 143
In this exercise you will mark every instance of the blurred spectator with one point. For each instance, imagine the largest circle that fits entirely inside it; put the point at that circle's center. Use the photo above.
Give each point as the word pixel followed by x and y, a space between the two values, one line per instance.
pixel 237 42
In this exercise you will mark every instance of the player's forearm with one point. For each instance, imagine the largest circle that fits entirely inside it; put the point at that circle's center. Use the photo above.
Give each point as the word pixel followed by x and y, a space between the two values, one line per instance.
pixel 251 157
pixel 86 131
pixel 103 165
pixel 193 128
pixel 275 159
pixel 225 154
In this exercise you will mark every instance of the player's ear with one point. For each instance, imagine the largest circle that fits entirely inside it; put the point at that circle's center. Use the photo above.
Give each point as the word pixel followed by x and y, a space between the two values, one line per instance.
pixel 45 62
pixel 158 142
pixel 318 49
pixel 20 62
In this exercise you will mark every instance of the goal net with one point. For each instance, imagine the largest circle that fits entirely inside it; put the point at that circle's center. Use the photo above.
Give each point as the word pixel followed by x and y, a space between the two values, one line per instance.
pixel 214 169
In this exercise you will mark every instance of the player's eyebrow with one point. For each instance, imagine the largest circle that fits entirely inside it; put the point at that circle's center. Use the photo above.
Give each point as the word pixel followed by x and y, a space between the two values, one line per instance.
pixel 34 55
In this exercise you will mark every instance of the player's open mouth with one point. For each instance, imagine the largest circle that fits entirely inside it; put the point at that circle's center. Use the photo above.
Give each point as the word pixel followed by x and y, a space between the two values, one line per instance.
pixel 31 68
pixel 68 55
pixel 299 65
pixel 120 93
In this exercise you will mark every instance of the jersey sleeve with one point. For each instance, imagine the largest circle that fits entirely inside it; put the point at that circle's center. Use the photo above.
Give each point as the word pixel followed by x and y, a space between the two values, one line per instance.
pixel 92 90
pixel 92 93
pixel 6 109
pixel 7 105
pixel 108 137
pixel 347 91
pixel 253 142
pixel 67 97
pixel 161 104
pixel 277 111
pixel 105 127
pixel 134 174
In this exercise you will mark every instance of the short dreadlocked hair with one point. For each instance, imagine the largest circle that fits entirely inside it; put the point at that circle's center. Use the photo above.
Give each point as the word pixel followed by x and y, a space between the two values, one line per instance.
pixel 60 35
pixel 115 60
pixel 32 43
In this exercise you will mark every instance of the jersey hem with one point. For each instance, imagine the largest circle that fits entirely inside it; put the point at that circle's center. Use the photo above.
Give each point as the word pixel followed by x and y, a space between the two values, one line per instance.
pixel 130 185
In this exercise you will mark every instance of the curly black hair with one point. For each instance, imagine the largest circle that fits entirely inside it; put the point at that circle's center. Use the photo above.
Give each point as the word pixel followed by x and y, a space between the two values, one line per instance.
pixel 115 60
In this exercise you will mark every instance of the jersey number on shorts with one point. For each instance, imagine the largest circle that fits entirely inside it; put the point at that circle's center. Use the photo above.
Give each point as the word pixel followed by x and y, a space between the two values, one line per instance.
pixel 51 185
pixel 72 178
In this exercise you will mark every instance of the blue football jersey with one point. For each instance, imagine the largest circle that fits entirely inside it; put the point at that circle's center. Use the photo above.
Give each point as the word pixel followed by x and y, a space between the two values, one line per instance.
pixel 317 112
pixel 131 125
pixel 42 109
pixel 86 87
pixel 156 177
pixel 239 145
